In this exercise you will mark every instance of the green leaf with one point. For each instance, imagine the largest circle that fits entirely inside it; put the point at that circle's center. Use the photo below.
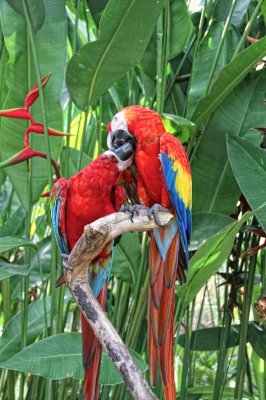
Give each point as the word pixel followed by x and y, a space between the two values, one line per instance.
pixel 214 186
pixel 60 356
pixel 223 7
pixel 209 339
pixel 180 26
pixel 125 30
pixel 258 375
pixel 56 357
pixel 109 374
pixel 10 341
pixel 181 127
pixel 96 9
pixel 9 242
pixel 14 223
pixel 40 262
pixel 3 201
pixel 208 259
pixel 36 11
pixel 126 258
pixel 257 339
pixel 206 225
pixel 73 161
pixel 20 68
pixel 202 65
pixel 9 269
pixel 249 166
pixel 228 79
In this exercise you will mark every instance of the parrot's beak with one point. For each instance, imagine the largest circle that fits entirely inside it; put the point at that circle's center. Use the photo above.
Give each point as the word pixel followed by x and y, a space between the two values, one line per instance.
pixel 123 151
pixel 118 138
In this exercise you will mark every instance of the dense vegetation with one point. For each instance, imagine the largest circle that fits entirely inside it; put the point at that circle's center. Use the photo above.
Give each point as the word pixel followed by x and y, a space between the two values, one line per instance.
pixel 200 65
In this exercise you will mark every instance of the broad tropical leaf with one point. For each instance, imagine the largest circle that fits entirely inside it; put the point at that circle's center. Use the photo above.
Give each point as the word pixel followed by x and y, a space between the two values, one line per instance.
pixel 125 30
pixel 214 186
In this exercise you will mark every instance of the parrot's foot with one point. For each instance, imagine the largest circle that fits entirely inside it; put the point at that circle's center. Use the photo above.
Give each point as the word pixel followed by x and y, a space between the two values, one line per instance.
pixel 154 211
pixel 65 258
pixel 132 210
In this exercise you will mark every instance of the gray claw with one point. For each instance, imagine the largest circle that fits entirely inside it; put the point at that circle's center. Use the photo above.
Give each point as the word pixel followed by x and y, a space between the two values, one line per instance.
pixel 132 210
pixel 65 258
pixel 154 211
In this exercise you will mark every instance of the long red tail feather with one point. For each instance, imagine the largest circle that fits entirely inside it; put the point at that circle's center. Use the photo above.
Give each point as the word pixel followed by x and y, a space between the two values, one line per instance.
pixel 92 351
pixel 161 316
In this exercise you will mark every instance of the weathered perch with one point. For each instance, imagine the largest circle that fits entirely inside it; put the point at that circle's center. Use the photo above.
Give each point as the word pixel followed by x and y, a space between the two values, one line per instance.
pixel 95 236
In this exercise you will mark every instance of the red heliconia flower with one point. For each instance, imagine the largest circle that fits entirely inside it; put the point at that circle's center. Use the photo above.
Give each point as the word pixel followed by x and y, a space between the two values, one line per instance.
pixel 23 113
pixel 38 128
pixel 17 113
pixel 26 154
pixel 34 92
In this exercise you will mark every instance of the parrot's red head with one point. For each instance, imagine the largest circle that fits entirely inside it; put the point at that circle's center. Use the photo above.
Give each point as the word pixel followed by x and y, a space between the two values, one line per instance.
pixel 133 121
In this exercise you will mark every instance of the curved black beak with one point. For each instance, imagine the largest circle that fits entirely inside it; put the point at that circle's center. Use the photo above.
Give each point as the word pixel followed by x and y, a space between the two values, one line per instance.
pixel 122 144
pixel 125 151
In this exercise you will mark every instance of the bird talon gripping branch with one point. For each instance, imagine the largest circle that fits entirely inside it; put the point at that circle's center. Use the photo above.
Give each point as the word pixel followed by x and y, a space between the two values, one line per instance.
pixel 65 263
pixel 132 210
pixel 154 212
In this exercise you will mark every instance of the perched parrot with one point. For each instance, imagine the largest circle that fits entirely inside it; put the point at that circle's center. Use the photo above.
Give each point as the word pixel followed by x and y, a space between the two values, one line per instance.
pixel 92 193
pixel 163 177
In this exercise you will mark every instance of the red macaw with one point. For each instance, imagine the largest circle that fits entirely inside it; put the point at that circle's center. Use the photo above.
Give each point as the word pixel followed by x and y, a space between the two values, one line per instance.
pixel 92 193
pixel 164 178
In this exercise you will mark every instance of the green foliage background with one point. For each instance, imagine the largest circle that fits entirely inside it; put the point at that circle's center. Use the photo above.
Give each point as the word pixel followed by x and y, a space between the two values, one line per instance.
pixel 196 63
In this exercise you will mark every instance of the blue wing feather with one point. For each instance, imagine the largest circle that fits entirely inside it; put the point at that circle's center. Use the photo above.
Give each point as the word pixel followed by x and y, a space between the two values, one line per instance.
pixel 59 194
pixel 182 212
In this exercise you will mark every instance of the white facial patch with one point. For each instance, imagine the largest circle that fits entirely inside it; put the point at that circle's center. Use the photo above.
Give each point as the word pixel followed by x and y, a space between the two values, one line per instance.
pixel 119 122
pixel 122 165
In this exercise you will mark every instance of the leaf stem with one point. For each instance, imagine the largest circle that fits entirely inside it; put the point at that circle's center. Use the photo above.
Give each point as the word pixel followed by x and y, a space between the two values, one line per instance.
pixel 248 28
pixel 217 55
pixel 241 361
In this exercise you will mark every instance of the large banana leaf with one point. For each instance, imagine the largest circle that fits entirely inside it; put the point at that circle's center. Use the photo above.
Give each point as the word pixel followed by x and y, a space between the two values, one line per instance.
pixel 180 26
pixel 125 30
pixel 203 62
pixel 229 78
pixel 60 356
pixel 36 9
pixel 214 186
pixel 249 166
pixel 20 77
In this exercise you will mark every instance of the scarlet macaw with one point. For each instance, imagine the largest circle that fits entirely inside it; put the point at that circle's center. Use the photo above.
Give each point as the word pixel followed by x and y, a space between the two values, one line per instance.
pixel 164 178
pixel 92 193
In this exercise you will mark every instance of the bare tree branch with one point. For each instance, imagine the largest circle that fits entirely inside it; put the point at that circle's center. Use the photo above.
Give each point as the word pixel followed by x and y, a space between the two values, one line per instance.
pixel 95 237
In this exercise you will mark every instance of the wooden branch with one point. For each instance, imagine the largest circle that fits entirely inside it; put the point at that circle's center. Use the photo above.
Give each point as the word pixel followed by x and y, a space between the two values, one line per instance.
pixel 95 237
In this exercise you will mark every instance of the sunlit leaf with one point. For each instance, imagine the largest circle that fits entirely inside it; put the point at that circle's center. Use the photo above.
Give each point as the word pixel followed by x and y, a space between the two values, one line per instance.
pixel 125 30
